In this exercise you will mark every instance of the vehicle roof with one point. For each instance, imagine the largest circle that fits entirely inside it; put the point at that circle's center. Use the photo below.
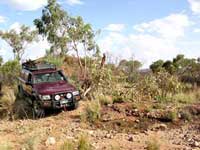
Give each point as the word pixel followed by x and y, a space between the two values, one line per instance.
pixel 42 71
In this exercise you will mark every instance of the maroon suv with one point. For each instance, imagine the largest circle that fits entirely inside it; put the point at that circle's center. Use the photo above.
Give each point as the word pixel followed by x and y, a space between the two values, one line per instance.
pixel 47 87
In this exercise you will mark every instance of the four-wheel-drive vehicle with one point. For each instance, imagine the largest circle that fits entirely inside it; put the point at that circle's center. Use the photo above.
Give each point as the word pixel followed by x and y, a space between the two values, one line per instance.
pixel 47 88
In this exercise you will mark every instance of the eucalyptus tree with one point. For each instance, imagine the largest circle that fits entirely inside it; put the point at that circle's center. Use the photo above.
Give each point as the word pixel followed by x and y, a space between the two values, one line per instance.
pixel 53 25
pixel 1 60
pixel 81 36
pixel 65 32
pixel 18 40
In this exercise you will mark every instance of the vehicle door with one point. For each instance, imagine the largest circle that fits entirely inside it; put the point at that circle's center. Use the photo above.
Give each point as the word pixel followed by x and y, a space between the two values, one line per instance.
pixel 29 84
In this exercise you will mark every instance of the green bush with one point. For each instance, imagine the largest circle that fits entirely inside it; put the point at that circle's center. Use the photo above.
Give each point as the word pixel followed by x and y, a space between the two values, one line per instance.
pixel 172 115
pixel 56 60
pixel 10 71
pixel 92 112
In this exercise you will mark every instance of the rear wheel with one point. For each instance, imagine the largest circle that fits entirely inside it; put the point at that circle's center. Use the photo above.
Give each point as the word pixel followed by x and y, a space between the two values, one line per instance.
pixel 38 111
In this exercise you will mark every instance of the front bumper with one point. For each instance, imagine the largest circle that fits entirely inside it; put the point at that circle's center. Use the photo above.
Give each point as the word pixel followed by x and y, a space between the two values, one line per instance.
pixel 61 103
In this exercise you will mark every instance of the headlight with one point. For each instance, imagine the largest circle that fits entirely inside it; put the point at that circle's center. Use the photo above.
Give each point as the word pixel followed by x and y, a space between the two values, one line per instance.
pixel 75 93
pixel 45 97
pixel 69 95
pixel 57 97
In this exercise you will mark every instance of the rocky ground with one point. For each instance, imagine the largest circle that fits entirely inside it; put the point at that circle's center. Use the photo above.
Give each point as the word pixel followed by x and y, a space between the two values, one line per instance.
pixel 50 133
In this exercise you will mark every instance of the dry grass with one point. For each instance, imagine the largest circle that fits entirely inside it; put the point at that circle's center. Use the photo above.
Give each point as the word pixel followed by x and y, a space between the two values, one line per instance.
pixel 7 101
pixel 153 144
pixel 92 112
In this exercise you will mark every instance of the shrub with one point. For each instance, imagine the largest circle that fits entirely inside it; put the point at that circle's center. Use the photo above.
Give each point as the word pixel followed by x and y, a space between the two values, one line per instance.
pixel 31 143
pixel 58 61
pixel 83 143
pixel 153 145
pixel 104 100
pixel 10 71
pixel 6 102
pixel 186 115
pixel 185 98
pixel 92 112
pixel 172 115
pixel 67 145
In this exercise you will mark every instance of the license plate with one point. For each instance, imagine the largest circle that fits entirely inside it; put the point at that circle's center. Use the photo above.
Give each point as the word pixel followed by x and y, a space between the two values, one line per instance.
pixel 63 102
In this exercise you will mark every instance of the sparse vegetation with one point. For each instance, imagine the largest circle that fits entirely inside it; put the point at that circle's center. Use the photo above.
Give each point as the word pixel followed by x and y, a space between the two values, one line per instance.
pixel 92 112
pixel 83 143
pixel 153 145
pixel 118 97
pixel 67 145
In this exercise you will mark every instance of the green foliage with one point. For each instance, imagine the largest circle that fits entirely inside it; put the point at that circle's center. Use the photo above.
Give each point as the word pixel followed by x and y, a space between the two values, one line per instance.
pixel 187 70
pixel 172 115
pixel 157 66
pixel 104 100
pixel 19 40
pixel 58 61
pixel 1 60
pixel 129 66
pixel 10 71
pixel 54 25
pixel 92 112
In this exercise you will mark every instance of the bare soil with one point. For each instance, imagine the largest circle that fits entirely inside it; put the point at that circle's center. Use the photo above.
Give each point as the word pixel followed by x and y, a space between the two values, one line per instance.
pixel 118 129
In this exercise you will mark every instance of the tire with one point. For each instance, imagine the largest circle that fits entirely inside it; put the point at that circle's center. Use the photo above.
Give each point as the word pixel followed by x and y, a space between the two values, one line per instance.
pixel 38 111
pixel 73 106
pixel 21 91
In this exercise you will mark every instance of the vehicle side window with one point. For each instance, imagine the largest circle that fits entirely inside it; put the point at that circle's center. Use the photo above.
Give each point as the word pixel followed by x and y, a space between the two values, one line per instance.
pixel 30 78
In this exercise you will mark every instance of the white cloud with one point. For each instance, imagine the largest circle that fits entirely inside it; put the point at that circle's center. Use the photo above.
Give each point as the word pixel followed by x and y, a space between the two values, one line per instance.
pixel 195 6
pixel 157 39
pixel 115 27
pixel 197 30
pixel 25 5
pixel 146 48
pixel 2 19
pixel 36 49
pixel 172 26
pixel 74 2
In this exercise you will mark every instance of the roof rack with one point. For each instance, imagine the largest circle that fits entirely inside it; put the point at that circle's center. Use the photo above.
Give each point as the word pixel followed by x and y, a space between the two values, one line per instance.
pixel 34 66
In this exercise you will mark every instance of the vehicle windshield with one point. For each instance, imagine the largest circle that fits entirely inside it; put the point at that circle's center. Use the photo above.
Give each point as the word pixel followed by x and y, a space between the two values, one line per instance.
pixel 48 77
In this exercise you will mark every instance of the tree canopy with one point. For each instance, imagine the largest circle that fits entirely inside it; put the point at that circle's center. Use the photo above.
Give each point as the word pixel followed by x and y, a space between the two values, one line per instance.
pixel 18 40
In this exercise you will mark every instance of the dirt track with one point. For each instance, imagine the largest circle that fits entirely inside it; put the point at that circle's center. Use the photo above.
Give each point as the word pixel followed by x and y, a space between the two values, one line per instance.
pixel 66 125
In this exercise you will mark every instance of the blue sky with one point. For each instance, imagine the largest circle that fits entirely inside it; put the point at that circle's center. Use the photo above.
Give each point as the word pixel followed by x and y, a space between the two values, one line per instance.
pixel 141 29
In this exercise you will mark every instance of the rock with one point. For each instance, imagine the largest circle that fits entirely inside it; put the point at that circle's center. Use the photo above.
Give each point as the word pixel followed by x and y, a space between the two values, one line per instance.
pixel 50 141
pixel 109 136
pixel 91 132
pixel 130 138
pixel 195 144
pixel 137 121
pixel 159 127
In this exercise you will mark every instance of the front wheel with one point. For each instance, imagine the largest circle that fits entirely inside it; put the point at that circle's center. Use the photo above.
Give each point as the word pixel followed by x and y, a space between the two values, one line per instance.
pixel 73 106
pixel 38 111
